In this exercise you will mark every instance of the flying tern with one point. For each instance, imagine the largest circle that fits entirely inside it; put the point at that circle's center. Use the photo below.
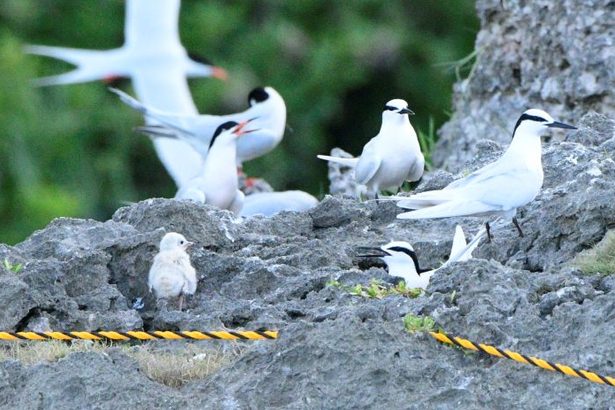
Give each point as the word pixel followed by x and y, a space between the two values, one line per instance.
pixel 218 183
pixel 391 157
pixel 402 261
pixel 171 274
pixel 496 189
pixel 154 58
pixel 266 107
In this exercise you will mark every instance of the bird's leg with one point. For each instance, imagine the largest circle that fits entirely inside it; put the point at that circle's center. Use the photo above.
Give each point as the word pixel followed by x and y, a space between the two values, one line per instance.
pixel 517 226
pixel 181 301
pixel 488 228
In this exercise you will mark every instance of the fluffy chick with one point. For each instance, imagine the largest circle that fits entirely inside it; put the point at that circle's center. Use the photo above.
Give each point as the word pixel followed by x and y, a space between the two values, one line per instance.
pixel 171 274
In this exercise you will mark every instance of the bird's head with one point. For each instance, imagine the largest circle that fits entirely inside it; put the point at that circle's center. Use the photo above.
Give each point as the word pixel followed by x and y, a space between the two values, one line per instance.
pixel 394 253
pixel 173 240
pixel 537 121
pixel 268 104
pixel 230 131
pixel 396 109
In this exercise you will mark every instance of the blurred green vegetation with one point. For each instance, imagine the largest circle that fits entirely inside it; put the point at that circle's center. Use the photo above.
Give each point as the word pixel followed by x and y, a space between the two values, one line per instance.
pixel 71 151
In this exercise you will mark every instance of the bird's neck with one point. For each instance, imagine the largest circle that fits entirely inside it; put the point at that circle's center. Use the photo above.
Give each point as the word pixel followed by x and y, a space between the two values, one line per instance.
pixel 221 156
pixel 392 121
pixel 526 147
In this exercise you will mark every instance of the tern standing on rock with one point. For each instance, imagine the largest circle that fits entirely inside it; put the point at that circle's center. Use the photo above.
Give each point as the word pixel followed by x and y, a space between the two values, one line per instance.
pixel 218 185
pixel 498 188
pixel 171 274
pixel 391 157
pixel 402 261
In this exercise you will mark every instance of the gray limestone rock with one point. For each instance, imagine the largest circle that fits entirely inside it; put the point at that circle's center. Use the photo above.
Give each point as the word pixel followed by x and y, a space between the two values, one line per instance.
pixel 336 349
pixel 555 55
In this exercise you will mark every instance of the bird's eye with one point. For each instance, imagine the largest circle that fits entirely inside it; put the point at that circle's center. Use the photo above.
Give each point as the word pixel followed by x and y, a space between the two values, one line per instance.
pixel 181 242
pixel 389 108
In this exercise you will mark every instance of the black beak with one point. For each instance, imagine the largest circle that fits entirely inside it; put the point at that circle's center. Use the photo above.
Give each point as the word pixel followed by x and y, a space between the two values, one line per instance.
pixel 556 124
pixel 406 111
pixel 369 252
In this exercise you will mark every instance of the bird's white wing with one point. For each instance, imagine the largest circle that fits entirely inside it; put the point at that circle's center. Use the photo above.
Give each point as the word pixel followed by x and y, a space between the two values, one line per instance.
pixel 459 241
pixel 465 253
pixel 448 209
pixel 494 168
pixel 270 203
pixel 152 24
pixel 349 162
pixel 166 89
pixel 499 192
pixel 366 169
pixel 417 169
pixel 368 164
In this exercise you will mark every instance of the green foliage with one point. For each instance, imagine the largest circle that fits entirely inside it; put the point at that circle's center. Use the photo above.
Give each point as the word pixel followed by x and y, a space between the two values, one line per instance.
pixel 378 290
pixel 428 140
pixel 414 324
pixel 601 258
pixel 71 151
pixel 12 267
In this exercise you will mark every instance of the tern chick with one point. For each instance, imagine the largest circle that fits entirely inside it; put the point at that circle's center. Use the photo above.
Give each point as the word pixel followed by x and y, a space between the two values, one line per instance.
pixel 402 261
pixel 171 274
pixel 496 189
pixel 391 157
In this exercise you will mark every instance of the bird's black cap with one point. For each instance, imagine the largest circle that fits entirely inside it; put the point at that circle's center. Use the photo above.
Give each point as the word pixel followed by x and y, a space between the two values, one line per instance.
pixel 222 127
pixel 258 94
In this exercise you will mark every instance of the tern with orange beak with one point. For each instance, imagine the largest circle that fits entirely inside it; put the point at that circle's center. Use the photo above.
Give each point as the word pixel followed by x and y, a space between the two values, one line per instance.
pixel 218 184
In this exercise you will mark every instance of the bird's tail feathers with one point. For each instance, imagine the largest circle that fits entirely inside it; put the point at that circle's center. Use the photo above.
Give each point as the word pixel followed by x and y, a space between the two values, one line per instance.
pixel 464 253
pixel 74 56
pixel 157 131
pixel 349 162
pixel 130 101
pixel 448 209
pixel 87 62
pixel 459 241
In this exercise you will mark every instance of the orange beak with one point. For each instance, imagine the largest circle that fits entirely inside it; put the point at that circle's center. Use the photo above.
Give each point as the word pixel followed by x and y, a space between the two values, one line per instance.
pixel 219 73
pixel 239 129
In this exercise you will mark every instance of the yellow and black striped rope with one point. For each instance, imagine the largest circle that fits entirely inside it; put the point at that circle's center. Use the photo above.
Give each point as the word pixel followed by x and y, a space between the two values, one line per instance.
pixel 518 357
pixel 144 335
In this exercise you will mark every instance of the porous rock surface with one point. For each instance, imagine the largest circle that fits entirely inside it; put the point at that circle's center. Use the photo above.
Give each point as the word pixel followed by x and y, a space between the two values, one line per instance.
pixel 555 55
pixel 335 350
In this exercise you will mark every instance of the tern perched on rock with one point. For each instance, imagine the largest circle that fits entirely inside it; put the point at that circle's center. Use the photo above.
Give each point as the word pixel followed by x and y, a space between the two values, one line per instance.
pixel 218 184
pixel 391 157
pixel 266 108
pixel 171 274
pixel 402 261
pixel 496 189
pixel 158 65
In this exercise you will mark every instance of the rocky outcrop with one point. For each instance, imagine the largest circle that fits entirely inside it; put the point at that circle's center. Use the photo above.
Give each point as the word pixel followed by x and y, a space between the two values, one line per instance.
pixel 555 55
pixel 336 349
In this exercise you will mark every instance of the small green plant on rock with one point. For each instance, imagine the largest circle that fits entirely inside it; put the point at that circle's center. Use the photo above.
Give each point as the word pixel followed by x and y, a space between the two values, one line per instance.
pixel 377 289
pixel 414 323
pixel 12 267
pixel 600 259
